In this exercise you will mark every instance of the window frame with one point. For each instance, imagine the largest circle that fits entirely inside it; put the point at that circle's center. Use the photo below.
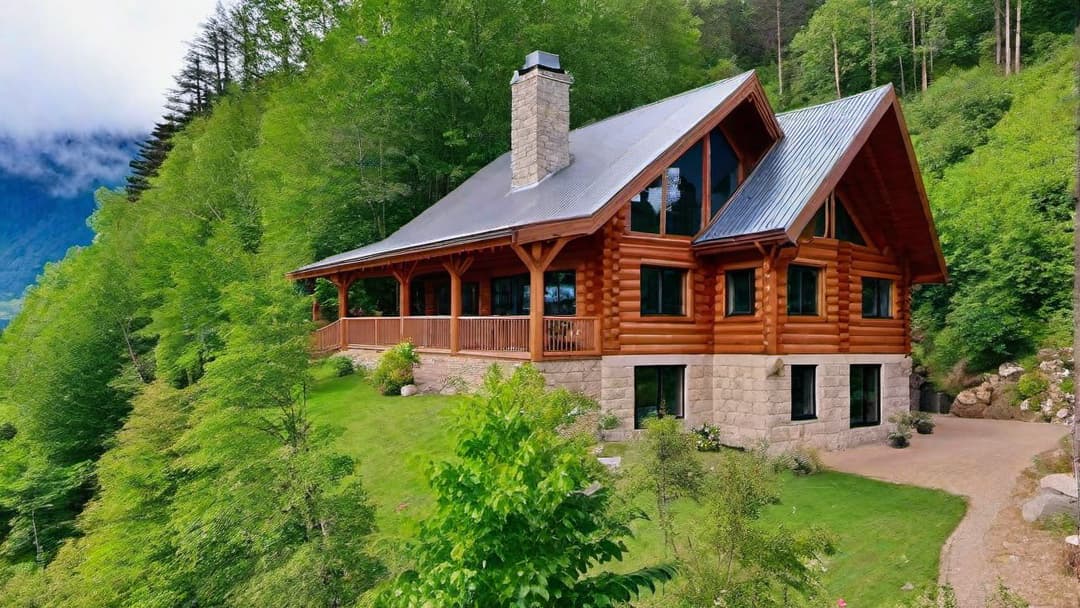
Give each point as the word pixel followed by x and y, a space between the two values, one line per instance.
pixel 520 285
pixel 684 274
pixel 863 370
pixel 705 196
pixel 796 370
pixel 728 299
pixel 819 272
pixel 889 283
pixel 681 392
pixel 550 276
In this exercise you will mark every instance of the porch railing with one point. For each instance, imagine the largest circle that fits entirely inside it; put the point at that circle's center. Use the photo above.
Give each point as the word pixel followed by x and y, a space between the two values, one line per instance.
pixel 571 335
pixel 495 334
pixel 427 332
pixel 372 331
pixel 562 336
pixel 327 338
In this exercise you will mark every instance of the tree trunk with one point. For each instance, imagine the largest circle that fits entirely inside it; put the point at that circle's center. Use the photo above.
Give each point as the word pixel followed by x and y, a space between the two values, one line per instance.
pixel 914 52
pixel 873 47
pixel 922 37
pixel 997 32
pixel 1008 39
pixel 779 52
pixel 1076 297
pixel 1016 46
pixel 903 84
pixel 836 64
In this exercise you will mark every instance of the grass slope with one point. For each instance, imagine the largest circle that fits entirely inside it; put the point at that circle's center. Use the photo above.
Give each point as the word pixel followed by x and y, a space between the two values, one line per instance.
pixel 886 534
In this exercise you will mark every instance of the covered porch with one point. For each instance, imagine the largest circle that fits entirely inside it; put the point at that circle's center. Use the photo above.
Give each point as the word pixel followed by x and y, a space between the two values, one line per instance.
pixel 531 302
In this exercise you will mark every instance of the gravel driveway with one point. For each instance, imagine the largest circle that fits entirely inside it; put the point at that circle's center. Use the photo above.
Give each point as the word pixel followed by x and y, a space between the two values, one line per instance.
pixel 979 459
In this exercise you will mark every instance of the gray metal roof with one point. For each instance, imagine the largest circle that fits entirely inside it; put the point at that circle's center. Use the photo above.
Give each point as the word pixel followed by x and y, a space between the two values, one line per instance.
pixel 815 138
pixel 605 156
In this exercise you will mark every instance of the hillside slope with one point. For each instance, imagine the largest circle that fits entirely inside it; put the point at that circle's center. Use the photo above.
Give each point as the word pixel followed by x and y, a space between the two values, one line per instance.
pixel 999 160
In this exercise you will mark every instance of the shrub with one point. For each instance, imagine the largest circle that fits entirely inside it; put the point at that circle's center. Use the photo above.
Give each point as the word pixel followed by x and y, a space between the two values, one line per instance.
pixel 900 436
pixel 923 422
pixel 395 369
pixel 800 460
pixel 1032 384
pixel 708 438
pixel 7 431
pixel 342 365
pixel 520 517
pixel 669 470
pixel 1068 386
pixel 609 421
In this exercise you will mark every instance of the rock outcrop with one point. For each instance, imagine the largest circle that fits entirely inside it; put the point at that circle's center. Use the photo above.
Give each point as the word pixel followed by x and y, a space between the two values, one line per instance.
pixel 1057 495
pixel 997 395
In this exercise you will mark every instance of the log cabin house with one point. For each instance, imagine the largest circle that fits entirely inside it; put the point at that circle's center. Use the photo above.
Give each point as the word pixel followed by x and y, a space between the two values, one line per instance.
pixel 700 257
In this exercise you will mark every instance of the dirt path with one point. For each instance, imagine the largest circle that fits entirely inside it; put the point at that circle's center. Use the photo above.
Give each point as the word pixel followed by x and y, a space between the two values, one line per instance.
pixel 979 459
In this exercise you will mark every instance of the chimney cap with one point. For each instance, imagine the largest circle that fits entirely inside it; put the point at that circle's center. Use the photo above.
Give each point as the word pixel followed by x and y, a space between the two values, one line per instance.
pixel 542 60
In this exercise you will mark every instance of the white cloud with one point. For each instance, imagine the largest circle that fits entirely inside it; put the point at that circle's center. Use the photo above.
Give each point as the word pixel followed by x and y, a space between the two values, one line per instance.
pixel 65 165
pixel 81 66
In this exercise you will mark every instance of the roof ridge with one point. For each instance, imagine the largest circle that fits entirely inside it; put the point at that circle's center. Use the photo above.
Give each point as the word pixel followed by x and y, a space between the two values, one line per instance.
pixel 714 83
pixel 834 101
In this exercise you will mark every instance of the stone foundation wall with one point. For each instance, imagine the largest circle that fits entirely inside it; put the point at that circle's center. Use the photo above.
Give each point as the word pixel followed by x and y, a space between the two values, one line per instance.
pixel 747 396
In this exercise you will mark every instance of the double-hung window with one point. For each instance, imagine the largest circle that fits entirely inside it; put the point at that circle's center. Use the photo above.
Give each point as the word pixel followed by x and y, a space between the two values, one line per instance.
pixel 865 395
pixel 739 292
pixel 802 290
pixel 662 291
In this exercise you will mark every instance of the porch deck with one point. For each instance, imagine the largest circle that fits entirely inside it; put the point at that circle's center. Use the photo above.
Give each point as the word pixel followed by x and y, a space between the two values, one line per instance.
pixel 497 336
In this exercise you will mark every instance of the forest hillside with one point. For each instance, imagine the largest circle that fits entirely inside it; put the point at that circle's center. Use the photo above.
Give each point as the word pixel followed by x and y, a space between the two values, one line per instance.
pixel 154 445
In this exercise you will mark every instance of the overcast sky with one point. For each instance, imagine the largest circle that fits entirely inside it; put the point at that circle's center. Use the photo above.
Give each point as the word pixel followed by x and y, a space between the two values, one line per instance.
pixel 90 65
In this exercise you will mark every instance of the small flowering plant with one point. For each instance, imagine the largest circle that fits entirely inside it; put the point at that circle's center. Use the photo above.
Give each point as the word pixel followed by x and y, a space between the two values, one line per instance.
pixel 707 438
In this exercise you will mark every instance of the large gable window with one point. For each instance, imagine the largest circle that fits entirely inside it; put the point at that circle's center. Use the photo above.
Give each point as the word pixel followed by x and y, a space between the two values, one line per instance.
pixel 685 186
pixel 645 209
pixel 681 201
pixel 723 172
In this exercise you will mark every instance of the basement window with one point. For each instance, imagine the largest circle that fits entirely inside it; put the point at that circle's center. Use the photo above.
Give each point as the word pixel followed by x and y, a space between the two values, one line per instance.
pixel 658 392
pixel 865 395
pixel 803 392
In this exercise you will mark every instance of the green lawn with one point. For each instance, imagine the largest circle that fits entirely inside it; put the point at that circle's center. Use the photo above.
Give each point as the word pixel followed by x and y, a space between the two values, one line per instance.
pixel 886 534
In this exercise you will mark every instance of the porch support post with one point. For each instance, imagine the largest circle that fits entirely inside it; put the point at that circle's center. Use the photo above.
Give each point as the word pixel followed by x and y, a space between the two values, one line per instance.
pixel 455 267
pixel 342 282
pixel 316 311
pixel 404 274
pixel 537 257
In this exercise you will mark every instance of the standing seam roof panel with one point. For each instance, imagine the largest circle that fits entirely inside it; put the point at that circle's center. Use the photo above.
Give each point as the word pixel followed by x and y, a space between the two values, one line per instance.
pixel 780 187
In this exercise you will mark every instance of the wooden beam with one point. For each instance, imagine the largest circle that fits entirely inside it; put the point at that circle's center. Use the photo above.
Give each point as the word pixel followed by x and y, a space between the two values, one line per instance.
pixel 456 266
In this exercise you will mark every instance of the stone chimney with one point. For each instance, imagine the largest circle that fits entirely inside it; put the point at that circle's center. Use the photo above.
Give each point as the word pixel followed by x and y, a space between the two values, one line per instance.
pixel 539 119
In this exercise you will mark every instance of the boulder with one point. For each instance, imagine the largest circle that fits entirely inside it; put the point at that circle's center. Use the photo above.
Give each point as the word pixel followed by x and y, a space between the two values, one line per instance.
pixel 1045 354
pixel 1010 372
pixel 1025 405
pixel 612 463
pixel 984 393
pixel 1062 483
pixel 1063 413
pixel 409 390
pixel 1047 503
pixel 967 405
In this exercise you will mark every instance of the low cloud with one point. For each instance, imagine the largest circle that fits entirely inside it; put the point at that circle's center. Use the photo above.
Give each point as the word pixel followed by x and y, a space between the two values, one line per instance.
pixel 73 66
pixel 68 165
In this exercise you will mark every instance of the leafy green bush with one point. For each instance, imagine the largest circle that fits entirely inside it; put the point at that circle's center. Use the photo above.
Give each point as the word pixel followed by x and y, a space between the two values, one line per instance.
pixel 609 421
pixel 1032 384
pixel 923 422
pixel 708 437
pixel 520 517
pixel 900 436
pixel 395 369
pixel 343 366
pixel 7 431
pixel 669 470
pixel 1068 386
pixel 800 460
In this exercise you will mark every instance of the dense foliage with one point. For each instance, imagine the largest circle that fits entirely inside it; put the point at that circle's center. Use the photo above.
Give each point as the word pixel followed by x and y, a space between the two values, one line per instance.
pixel 156 447
pixel 522 517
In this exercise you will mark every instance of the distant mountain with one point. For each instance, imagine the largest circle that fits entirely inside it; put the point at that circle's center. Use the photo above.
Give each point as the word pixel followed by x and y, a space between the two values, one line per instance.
pixel 46 195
